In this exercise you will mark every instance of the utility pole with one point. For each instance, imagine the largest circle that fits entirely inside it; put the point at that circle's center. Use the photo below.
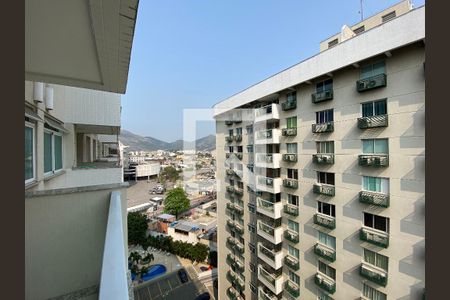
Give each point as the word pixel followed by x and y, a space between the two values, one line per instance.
pixel 361 9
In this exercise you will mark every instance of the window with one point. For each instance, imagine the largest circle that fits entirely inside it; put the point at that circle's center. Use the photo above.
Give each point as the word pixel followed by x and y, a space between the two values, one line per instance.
pixel 293 226
pixel 252 266
pixel 325 147
pixel 373 70
pixel 252 248
pixel 359 30
pixel 250 148
pixel 293 199
pixel 327 270
pixel 251 228
pixel 239 149
pixel 388 16
pixel 375 146
pixel 252 286
pixel 376 222
pixel 252 208
pixel 30 154
pixel 292 97
pixel 376 184
pixel 291 148
pixel 291 122
pixel 230 149
pixel 52 152
pixel 327 240
pixel 293 251
pixel 326 209
pixel 324 177
pixel 294 277
pixel 372 294
pixel 250 168
pixel 376 259
pixel 249 129
pixel 374 108
pixel 230 132
pixel 323 86
pixel 333 43
pixel 324 116
pixel 239 131
pixel 292 173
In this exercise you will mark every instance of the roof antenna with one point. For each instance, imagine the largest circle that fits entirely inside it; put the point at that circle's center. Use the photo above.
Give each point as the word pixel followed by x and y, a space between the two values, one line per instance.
pixel 361 10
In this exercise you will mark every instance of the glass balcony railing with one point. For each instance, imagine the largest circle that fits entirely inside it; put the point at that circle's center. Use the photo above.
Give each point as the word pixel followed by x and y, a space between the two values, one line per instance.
pixel 264 134
pixel 265 180
pixel 290 183
pixel 270 254
pixel 288 105
pixel 322 96
pixel 323 127
pixel 291 209
pixel 323 158
pixel 265 295
pixel 292 262
pixel 375 237
pixel 374 198
pixel 289 131
pixel 373 122
pixel 292 288
pixel 265 204
pixel 290 157
pixel 370 83
pixel 374 160
pixel 291 236
pixel 326 221
pixel 324 189
pixel 373 274
pixel 325 283
pixel 325 252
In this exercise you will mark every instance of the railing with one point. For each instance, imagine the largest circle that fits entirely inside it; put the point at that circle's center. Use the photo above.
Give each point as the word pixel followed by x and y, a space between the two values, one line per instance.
pixel 238 191
pixel 323 127
pixel 322 158
pixel 325 283
pixel 238 137
pixel 266 205
pixel 291 236
pixel 265 296
pixel 267 276
pixel 266 252
pixel 288 105
pixel 324 189
pixel 265 110
pixel 375 198
pixel 264 158
pixel 265 180
pixel 374 160
pixel 322 96
pixel 228 122
pixel 239 247
pixel 232 293
pixel 291 209
pixel 290 183
pixel 292 288
pixel 325 221
pixel 229 172
pixel 292 262
pixel 370 83
pixel 374 274
pixel 113 280
pixel 373 121
pixel 325 252
pixel 375 237
pixel 264 134
pixel 289 131
pixel 290 157
pixel 230 189
pixel 266 228
pixel 229 139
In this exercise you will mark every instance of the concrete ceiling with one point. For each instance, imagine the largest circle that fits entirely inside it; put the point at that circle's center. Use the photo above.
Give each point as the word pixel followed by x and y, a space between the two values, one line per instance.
pixel 81 43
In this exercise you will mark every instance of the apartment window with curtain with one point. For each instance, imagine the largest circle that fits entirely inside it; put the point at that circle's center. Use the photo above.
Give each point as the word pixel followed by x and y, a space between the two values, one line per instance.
pixel 293 252
pixel 291 122
pixel 373 70
pixel 326 178
pixel 250 148
pixel 30 154
pixel 375 259
pixel 372 294
pixel 292 225
pixel 376 184
pixel 374 108
pixel 376 222
pixel 52 152
pixel 325 147
pixel 293 199
pixel 291 148
pixel 291 97
pixel 375 146
pixel 326 270
pixel 326 209
pixel 292 173
pixel 325 85
pixel 294 277
pixel 324 116
pixel 327 240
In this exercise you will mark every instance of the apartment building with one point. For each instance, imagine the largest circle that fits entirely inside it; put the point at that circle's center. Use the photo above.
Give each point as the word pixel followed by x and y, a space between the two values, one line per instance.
pixel 77 56
pixel 321 170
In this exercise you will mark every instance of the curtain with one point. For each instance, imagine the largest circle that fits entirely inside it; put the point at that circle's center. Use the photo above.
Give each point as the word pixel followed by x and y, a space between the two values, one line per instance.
pixel 291 122
pixel 367 109
pixel 328 240
pixel 48 164
pixel 293 225
pixel 29 163
pixel 293 251
pixel 291 147
pixel 380 107
pixel 58 152
pixel 372 293
pixel 376 259
pixel 294 277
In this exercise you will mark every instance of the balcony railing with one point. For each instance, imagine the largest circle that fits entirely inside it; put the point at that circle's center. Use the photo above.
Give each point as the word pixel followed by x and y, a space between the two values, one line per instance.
pixel 267 136
pixel 374 274
pixel 370 83
pixel 322 96
pixel 325 252
pixel 229 139
pixel 273 282
pixel 238 191
pixel 288 105
pixel 238 137
pixel 269 112
pixel 324 189
pixel 231 242
pixel 322 158
pixel 374 198
pixel 264 134
pixel 373 121
pixel 268 208
pixel 290 183
pixel 228 122
pixel 375 237
pixel 292 288
pixel 265 180
pixel 291 236
pixel 374 160
pixel 291 209
pixel 323 127
pixel 325 283
pixel 325 221
pixel 230 172
pixel 265 296
pixel 264 158
pixel 292 262
pixel 289 131
pixel 290 157
pixel 235 279
pixel 272 234
pixel 271 257
pixel 233 294
pixel 230 189
pixel 239 247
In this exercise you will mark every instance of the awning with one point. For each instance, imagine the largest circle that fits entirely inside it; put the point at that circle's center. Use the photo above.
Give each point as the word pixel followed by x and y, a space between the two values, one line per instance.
pixel 56 125
pixel 29 113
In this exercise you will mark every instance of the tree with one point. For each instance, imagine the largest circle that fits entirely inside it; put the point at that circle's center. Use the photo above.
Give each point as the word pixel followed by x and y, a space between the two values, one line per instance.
pixel 176 202
pixel 137 228
pixel 168 174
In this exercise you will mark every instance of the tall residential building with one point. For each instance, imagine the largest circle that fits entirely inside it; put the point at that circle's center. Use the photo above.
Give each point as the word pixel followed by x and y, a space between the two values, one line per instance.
pixel 77 55
pixel 321 170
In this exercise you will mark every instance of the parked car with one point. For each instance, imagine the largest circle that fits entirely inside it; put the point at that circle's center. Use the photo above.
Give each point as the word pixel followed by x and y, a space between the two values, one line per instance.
pixel 183 276
pixel 204 296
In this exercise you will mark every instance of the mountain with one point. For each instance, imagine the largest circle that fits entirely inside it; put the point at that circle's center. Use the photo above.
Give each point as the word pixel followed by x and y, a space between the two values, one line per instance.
pixel 146 143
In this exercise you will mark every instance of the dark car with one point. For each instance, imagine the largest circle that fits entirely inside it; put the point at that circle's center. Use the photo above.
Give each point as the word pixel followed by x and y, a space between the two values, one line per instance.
pixel 204 296
pixel 183 276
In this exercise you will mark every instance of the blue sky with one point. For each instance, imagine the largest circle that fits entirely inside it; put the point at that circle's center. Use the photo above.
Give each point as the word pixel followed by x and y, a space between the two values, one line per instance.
pixel 193 54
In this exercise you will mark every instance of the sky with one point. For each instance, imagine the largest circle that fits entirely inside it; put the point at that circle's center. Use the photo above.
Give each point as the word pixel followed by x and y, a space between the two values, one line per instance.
pixel 194 53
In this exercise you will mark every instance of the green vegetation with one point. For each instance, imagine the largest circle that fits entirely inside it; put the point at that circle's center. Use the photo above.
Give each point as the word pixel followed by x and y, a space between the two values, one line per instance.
pixel 176 202
pixel 197 252
pixel 169 174
pixel 137 228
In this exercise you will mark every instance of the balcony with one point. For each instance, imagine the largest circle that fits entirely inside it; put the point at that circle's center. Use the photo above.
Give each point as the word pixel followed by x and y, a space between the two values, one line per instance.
pixel 322 96
pixel 265 295
pixel 322 158
pixel 237 137
pixel 371 83
pixel 234 278
pixel 289 131
pixel 290 157
pixel 238 191
pixel 288 105
pixel 290 183
pixel 239 155
pixel 229 138
pixel 268 208
pixel 325 252
pixel 374 274
pixel 291 236
pixel 270 256
pixel 267 136
pixel 272 234
pixel 269 160
pixel 375 237
pixel 239 247
pixel 292 262
pixel 326 283
pixel 230 172
pixel 291 209
pixel 233 294
pixel 374 198
pixel 231 242
pixel 323 127
pixel 374 160
pixel 268 184
pixel 266 113
pixel 326 221
pixel 292 288
pixel 228 123
pixel 230 189
pixel 324 189
pixel 373 122
pixel 273 282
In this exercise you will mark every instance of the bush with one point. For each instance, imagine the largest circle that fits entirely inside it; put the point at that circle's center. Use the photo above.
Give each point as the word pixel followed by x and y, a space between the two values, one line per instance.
pixel 197 252
pixel 137 228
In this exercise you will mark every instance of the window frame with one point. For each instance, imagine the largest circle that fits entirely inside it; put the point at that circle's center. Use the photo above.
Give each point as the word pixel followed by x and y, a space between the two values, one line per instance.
pixel 323 114
pixel 53 157
pixel 320 86
pixel 33 128
pixel 371 65
pixel 324 144
pixel 320 209
pixel 290 197
pixel 373 146
pixel 373 107
pixel 327 238
pixel 385 179
pixel 377 257
pixel 386 220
